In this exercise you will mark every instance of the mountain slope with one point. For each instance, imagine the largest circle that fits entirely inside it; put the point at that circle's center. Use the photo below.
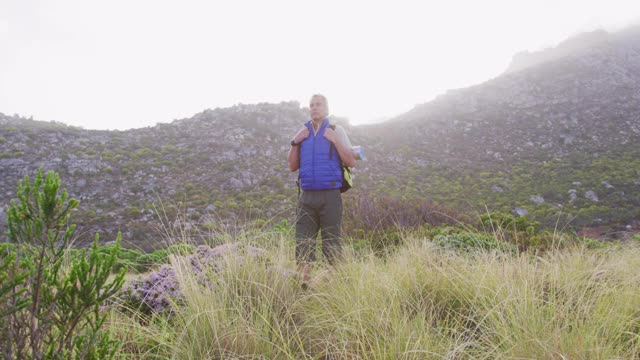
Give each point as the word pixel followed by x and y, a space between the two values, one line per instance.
pixel 564 131
pixel 212 164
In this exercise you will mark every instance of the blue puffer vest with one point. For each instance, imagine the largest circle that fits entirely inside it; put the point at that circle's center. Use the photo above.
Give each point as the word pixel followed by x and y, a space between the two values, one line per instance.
pixel 317 171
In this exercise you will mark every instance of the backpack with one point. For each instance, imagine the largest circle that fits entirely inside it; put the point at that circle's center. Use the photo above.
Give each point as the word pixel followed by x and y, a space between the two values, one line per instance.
pixel 347 180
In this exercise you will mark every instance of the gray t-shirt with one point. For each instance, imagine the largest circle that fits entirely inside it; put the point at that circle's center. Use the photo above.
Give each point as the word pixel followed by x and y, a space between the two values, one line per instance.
pixel 343 136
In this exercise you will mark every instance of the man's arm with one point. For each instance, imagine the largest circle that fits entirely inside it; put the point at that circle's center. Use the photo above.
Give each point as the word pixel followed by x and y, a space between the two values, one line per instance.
pixel 346 154
pixel 294 158
pixel 294 152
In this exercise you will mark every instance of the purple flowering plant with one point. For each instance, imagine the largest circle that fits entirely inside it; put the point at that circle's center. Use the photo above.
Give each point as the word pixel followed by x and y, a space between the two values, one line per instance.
pixel 159 292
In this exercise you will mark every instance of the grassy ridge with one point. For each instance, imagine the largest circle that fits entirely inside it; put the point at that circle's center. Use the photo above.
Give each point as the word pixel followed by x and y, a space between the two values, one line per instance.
pixel 419 302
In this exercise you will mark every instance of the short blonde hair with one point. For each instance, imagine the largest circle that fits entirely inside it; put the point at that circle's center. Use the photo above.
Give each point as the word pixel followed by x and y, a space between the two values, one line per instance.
pixel 324 98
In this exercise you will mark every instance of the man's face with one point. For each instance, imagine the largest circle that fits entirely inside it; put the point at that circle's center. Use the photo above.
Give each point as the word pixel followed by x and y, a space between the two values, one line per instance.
pixel 318 108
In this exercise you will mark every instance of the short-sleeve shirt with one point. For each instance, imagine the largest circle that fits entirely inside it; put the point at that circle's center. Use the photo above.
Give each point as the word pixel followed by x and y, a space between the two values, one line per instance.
pixel 343 136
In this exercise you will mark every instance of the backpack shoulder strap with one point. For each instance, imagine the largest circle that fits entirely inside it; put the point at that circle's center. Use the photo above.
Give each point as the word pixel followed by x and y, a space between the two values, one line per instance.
pixel 332 127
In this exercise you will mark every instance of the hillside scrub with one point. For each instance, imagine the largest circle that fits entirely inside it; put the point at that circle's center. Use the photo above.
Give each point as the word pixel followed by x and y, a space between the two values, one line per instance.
pixel 421 301
pixel 380 221
pixel 52 298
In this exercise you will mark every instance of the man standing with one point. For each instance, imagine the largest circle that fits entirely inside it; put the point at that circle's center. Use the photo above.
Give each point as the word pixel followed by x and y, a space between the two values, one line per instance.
pixel 313 152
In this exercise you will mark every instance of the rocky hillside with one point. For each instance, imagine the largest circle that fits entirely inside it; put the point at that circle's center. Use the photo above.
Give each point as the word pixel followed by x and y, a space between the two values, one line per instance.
pixel 554 138
pixel 557 137
pixel 586 102
pixel 224 163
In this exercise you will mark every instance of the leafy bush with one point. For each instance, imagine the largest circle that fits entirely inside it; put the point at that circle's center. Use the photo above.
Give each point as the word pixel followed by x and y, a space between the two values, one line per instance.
pixel 590 243
pixel 156 258
pixel 127 258
pixel 10 279
pixel 145 262
pixel 181 249
pixel 526 234
pixel 500 221
pixel 283 227
pixel 51 297
pixel 471 241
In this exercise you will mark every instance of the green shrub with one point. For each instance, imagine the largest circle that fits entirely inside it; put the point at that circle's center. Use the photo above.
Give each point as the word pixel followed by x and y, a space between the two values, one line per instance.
pixel 471 241
pixel 383 221
pixel 283 227
pixel 592 243
pixel 444 230
pixel 500 221
pixel 54 296
pixel 10 280
pixel 128 259
pixel 156 258
pixel 181 249
pixel 161 256
pixel 385 241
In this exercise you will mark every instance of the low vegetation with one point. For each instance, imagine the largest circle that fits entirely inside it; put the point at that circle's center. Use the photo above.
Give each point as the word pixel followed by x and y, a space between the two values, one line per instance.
pixel 52 299
pixel 444 287
pixel 422 301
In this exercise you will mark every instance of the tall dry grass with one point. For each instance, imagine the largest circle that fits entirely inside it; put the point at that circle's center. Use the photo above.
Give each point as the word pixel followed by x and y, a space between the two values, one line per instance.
pixel 421 302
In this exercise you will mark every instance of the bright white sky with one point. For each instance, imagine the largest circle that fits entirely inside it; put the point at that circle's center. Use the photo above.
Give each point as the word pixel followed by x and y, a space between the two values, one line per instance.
pixel 119 64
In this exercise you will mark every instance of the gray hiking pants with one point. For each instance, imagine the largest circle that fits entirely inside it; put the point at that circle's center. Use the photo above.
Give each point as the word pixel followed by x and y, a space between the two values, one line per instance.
pixel 318 211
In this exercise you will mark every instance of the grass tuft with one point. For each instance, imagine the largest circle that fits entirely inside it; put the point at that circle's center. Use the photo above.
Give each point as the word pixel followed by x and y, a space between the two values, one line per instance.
pixel 421 301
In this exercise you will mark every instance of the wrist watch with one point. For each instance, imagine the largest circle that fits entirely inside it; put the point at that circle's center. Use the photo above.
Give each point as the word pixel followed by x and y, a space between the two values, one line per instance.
pixel 293 143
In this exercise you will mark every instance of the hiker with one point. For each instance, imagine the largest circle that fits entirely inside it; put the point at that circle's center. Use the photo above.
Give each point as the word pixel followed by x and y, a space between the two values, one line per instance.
pixel 320 178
